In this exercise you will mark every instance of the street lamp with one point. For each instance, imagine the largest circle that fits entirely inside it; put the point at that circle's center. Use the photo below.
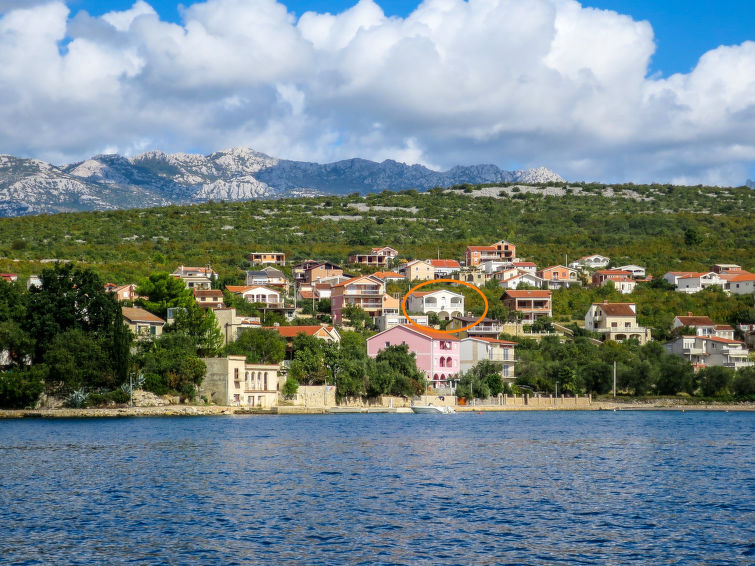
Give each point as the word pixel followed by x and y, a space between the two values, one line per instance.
pixel 556 389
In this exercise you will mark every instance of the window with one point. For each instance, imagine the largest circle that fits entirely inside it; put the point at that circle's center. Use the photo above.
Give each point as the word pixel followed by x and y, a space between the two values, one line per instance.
pixel 236 373
pixel 442 362
pixel 614 325
pixel 627 325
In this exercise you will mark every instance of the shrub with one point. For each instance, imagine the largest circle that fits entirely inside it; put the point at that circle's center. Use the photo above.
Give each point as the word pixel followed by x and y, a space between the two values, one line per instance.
pixel 20 389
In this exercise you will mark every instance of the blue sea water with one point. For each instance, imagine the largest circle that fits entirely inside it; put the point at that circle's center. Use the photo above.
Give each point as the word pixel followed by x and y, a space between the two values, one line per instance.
pixel 491 488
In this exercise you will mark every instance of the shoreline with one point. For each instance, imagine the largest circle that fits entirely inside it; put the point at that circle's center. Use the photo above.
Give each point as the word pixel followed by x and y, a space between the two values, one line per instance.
pixel 216 410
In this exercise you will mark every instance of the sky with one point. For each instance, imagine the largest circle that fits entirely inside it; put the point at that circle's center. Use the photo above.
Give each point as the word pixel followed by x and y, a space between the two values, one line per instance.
pixel 602 90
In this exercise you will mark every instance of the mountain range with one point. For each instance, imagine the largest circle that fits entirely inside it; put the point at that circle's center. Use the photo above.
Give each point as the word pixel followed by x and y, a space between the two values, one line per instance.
pixel 105 182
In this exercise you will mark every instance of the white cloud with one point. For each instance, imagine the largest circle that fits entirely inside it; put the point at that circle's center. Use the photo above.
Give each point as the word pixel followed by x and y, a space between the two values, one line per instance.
pixel 511 82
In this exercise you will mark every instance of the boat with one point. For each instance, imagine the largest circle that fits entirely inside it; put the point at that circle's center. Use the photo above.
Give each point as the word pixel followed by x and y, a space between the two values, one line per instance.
pixel 431 409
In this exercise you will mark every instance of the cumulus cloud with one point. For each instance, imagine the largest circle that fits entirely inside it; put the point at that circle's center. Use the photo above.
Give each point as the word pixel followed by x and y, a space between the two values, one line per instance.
pixel 518 83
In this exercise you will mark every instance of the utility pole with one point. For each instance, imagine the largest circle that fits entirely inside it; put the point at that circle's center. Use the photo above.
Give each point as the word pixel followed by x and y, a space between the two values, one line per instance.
pixel 614 379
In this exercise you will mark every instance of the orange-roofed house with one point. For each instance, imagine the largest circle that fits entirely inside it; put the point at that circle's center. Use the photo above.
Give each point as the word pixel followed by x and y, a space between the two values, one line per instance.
pixel 703 326
pixel 418 270
pixel 616 321
pixel 9 277
pixel 122 292
pixel 532 304
pixel 475 349
pixel 195 277
pixel 365 292
pixel 444 268
pixel 622 280
pixel 438 354
pixel 388 276
pixel 328 334
pixel 378 257
pixel 741 284
pixel 501 250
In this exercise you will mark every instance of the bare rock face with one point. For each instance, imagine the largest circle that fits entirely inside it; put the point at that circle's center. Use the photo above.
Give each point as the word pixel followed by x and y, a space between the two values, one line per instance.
pixel 102 182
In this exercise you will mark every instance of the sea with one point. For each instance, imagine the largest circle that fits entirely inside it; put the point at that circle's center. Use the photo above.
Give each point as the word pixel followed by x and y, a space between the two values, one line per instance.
pixel 625 487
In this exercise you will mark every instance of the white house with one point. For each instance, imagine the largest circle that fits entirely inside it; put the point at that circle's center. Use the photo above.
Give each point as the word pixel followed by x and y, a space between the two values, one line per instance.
pixel 638 272
pixel 705 351
pixel 446 304
pixel 694 282
pixel 494 266
pixel 514 281
pixel 258 294
pixel 444 268
pixel 742 284
pixel 595 261
pixel 703 326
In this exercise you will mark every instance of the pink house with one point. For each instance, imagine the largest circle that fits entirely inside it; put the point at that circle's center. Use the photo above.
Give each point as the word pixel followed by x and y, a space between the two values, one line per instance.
pixel 438 354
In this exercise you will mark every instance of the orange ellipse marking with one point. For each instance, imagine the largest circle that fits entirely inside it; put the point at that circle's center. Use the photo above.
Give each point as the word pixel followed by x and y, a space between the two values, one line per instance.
pixel 430 282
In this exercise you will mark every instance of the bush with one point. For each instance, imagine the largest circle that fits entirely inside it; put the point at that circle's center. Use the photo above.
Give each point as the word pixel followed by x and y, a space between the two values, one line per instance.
pixel 20 389
pixel 155 384
pixel 744 383
pixel 118 397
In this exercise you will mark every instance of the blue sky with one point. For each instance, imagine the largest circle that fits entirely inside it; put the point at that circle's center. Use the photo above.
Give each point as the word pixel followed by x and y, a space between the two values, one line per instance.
pixel 684 29
pixel 641 91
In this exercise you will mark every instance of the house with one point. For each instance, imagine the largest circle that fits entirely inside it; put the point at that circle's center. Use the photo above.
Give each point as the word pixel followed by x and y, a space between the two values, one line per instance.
pixel 195 277
pixel 595 261
pixel 446 304
pixel 616 321
pixel 636 271
pixel 444 268
pixel 475 277
pixel 526 266
pixel 231 325
pixel 531 304
pixel 378 257
pixel 475 349
pixel 487 327
pixel 231 381
pixel 320 271
pixel 703 326
pixel 142 323
pixel 389 276
pixel 208 298
pixel 418 270
pixel 494 266
pixel 122 292
pixel 267 257
pixel 558 276
pixel 501 250
pixel 695 282
pixel 706 351
pixel 269 277
pixel 521 278
pixel 742 284
pixel 437 352
pixel 365 292
pixel 732 268
pixel 298 271
pixel 386 321
pixel 9 277
pixel 270 298
pixel 622 280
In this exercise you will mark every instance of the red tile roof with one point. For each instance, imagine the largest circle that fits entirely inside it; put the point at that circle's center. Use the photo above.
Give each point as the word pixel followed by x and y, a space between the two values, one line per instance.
pixel 431 333
pixel 745 277
pixel 617 309
pixel 696 321
pixel 526 263
pixel 528 294
pixel 387 274
pixel 208 293
pixel 444 263
pixel 482 248
pixel 292 331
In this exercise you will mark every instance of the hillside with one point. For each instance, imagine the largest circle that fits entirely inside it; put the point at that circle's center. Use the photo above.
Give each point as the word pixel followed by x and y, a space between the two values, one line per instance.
pixel 658 226
pixel 109 182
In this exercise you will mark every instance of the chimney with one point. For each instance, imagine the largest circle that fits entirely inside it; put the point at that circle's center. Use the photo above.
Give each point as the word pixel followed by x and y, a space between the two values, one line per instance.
pixel 605 301
pixel 469 313
pixel 689 313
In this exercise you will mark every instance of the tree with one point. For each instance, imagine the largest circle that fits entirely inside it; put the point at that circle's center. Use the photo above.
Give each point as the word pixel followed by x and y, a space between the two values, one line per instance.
pixel 743 385
pixel 20 388
pixel 675 376
pixel 692 237
pixel 356 316
pixel 69 298
pixel 17 343
pixel 162 291
pixel 715 380
pixel 170 363
pixel 201 326
pixel 12 301
pixel 395 372
pixel 259 345
pixel 79 360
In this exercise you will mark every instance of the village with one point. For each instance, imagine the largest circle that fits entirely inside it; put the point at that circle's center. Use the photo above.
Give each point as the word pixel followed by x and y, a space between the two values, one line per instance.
pixel 437 325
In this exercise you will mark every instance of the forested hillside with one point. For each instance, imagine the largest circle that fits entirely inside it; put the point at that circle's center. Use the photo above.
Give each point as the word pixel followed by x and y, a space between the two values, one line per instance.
pixel 660 227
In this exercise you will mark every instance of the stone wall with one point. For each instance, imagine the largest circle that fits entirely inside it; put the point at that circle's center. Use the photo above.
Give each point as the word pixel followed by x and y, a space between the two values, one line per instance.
pixel 315 396
pixel 540 402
